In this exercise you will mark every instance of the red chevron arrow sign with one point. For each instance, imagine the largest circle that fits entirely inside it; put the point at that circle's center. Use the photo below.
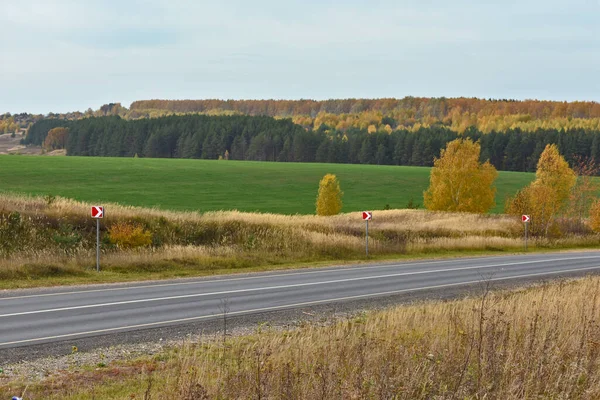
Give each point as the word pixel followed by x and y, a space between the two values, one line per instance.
pixel 97 212
pixel 367 215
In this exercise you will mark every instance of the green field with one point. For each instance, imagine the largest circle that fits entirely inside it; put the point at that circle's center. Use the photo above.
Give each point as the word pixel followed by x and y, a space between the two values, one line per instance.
pixel 203 185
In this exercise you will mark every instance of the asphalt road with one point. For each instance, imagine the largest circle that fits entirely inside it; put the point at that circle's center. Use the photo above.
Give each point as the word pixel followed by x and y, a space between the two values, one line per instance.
pixel 50 315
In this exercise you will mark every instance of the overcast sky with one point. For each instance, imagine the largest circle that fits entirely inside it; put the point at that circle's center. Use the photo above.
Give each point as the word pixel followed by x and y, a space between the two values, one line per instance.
pixel 66 55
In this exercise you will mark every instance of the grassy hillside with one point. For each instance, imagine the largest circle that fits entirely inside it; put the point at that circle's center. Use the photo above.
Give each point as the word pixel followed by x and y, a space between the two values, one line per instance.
pixel 204 185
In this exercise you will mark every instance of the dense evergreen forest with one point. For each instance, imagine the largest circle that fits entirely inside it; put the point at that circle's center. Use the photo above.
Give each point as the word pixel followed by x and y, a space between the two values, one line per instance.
pixel 267 139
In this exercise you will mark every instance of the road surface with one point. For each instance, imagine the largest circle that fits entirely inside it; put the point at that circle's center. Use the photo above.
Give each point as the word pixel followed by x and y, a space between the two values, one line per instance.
pixel 50 315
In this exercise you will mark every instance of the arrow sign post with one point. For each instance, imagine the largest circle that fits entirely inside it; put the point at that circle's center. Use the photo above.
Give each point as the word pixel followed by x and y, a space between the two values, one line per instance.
pixel 98 214
pixel 526 219
pixel 367 216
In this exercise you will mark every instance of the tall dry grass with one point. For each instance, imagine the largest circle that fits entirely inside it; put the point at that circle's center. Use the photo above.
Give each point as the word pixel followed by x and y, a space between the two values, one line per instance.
pixel 538 343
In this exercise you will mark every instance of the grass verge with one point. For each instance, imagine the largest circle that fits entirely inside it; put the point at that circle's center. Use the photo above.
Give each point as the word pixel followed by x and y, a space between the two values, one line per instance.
pixel 51 241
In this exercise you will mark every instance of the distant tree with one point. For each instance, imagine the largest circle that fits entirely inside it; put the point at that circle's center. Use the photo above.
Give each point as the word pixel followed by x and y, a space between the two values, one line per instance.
pixel 57 138
pixel 547 196
pixel 329 199
pixel 553 171
pixel 381 155
pixel 459 182
pixel 595 216
pixel 152 148
pixel 367 151
pixel 583 192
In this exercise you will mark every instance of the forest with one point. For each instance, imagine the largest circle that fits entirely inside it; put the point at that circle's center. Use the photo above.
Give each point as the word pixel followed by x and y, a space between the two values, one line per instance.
pixel 262 138
pixel 408 113
pixel 421 106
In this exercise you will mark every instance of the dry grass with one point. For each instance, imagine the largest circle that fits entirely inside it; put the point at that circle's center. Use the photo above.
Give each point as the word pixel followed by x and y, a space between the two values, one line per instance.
pixel 188 243
pixel 410 220
pixel 541 342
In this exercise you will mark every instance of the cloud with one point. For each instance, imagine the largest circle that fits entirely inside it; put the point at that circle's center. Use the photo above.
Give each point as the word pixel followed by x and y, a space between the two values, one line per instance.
pixel 66 54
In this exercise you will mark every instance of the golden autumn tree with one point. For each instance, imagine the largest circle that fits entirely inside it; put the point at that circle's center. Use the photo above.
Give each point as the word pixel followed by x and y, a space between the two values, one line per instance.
pixel 583 193
pixel 546 197
pixel 459 182
pixel 57 138
pixel 329 199
pixel 554 172
pixel 595 216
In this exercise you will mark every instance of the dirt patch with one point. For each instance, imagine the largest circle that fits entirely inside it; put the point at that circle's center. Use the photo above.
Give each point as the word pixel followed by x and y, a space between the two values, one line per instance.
pixel 60 152
pixel 12 145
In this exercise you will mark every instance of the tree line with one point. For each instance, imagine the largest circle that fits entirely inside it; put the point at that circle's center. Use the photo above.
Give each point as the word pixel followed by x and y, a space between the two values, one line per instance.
pixel 421 107
pixel 387 114
pixel 268 139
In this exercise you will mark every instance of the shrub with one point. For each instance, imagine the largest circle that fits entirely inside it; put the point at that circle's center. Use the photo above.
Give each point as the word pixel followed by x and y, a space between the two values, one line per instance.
pixel 411 205
pixel 127 235
pixel 14 233
pixel 67 238
pixel 595 216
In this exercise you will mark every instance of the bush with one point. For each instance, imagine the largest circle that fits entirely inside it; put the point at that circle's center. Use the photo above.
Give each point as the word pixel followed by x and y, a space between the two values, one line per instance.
pixel 14 233
pixel 127 235
pixel 595 216
pixel 67 238
pixel 411 205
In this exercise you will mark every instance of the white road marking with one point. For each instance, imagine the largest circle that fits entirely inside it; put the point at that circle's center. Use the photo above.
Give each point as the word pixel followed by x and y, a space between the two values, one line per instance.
pixel 324 271
pixel 295 305
pixel 266 288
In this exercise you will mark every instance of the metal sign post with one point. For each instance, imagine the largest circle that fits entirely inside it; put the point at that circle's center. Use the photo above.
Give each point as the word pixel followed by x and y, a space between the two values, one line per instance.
pixel 367 239
pixel 526 219
pixel 367 216
pixel 98 245
pixel 97 213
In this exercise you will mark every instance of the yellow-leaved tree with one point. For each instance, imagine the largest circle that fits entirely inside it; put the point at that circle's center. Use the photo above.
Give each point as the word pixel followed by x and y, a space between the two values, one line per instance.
pixel 57 138
pixel 329 199
pixel 459 182
pixel 595 216
pixel 547 196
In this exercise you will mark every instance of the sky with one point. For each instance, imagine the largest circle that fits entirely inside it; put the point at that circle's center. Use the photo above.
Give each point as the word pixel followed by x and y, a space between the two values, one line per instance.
pixel 68 55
